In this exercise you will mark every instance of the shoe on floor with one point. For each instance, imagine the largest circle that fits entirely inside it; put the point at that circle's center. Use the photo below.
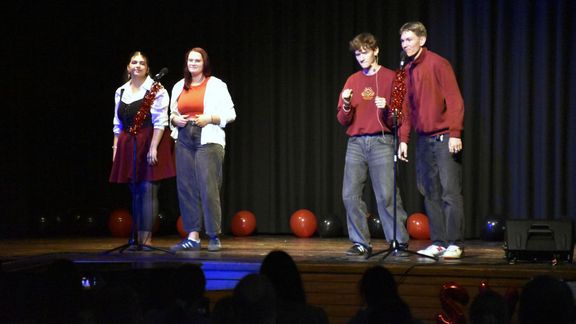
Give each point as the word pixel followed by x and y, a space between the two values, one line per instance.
pixel 403 246
pixel 214 244
pixel 452 252
pixel 358 249
pixel 186 245
pixel 433 250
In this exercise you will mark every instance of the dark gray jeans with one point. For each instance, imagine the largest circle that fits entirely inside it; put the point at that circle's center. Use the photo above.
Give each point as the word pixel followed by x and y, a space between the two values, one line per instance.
pixel 439 177
pixel 199 179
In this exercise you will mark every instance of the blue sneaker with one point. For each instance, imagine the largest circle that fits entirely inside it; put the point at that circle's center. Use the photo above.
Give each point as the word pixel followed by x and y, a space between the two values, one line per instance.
pixel 186 245
pixel 214 244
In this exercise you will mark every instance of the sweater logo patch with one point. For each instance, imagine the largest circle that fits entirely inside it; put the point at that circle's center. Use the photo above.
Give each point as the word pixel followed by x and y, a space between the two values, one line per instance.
pixel 368 93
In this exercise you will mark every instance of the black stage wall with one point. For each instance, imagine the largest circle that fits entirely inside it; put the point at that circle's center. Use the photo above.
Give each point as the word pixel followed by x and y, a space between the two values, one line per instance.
pixel 285 63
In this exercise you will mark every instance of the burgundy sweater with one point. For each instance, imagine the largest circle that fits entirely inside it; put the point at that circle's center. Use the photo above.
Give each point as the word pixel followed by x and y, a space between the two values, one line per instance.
pixel 364 117
pixel 433 103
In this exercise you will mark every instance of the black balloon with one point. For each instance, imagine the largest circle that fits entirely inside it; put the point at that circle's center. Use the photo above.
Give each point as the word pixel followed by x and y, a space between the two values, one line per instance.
pixel 162 224
pixel 44 226
pixel 58 224
pixel 494 230
pixel 329 226
pixel 87 220
pixel 375 226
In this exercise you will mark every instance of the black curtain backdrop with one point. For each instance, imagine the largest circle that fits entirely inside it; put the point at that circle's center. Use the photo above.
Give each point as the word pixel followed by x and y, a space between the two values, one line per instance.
pixel 285 63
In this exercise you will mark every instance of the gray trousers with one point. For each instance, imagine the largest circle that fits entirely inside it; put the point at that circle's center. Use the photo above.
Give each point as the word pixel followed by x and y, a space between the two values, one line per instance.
pixel 374 156
pixel 439 177
pixel 199 180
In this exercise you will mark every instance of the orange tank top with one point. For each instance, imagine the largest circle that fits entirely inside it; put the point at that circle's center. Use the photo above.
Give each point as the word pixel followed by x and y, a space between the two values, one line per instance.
pixel 191 101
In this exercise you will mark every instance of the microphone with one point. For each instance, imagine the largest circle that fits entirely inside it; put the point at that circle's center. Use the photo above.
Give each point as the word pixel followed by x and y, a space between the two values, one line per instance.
pixel 160 74
pixel 403 58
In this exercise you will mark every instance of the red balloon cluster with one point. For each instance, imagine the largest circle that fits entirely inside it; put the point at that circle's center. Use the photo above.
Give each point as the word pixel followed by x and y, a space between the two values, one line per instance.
pixel 120 223
pixel 243 223
pixel 303 223
pixel 418 226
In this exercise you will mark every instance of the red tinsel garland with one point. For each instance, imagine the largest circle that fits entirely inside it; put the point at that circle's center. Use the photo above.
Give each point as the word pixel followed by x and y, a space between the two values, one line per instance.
pixel 396 99
pixel 144 108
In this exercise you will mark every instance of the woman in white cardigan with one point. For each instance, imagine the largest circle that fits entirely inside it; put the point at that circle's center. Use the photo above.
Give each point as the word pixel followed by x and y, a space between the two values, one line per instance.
pixel 201 107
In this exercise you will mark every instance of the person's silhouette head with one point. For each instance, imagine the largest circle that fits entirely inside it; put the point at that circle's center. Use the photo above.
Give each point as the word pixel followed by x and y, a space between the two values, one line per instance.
pixel 283 273
pixel 489 307
pixel 377 286
pixel 189 282
pixel 255 300
pixel 546 299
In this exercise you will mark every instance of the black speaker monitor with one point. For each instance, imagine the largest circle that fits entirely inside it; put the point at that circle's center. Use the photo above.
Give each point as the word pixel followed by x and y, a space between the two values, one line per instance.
pixel 539 240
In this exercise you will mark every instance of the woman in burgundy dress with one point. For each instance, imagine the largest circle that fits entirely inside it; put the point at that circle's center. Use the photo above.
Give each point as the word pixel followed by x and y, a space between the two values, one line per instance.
pixel 142 150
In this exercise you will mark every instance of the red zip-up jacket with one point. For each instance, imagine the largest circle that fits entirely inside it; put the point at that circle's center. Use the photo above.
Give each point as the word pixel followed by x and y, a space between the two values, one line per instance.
pixel 433 103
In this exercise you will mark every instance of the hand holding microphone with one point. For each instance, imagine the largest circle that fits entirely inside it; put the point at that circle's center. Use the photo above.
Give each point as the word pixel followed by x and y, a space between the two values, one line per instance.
pixel 347 96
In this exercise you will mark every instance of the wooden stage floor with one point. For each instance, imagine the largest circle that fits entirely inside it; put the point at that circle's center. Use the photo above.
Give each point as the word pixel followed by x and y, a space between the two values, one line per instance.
pixel 330 277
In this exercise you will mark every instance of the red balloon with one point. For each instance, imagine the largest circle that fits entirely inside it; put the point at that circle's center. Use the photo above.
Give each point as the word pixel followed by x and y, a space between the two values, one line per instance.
pixel 180 228
pixel 120 223
pixel 453 299
pixel 303 223
pixel 243 223
pixel 418 226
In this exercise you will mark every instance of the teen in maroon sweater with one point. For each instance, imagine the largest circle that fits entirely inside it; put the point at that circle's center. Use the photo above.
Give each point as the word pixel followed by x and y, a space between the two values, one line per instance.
pixel 370 149
pixel 435 110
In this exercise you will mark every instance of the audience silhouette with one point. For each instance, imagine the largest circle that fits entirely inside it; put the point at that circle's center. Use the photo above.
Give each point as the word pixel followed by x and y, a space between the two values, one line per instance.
pixel 291 303
pixel 183 299
pixel 546 299
pixel 489 307
pixel 382 302
pixel 119 303
pixel 53 293
pixel 253 301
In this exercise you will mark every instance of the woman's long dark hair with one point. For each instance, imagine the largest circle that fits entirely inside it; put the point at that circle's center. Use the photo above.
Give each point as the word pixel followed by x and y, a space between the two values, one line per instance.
pixel 206 70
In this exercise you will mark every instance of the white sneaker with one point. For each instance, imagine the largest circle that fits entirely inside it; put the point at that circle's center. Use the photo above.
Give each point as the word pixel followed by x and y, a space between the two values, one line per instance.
pixel 433 251
pixel 452 252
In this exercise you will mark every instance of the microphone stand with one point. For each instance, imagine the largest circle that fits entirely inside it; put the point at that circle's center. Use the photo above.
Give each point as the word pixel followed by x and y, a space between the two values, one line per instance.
pixel 396 248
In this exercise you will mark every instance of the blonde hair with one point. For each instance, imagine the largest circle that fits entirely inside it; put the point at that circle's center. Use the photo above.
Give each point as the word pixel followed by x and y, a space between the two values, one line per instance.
pixel 416 27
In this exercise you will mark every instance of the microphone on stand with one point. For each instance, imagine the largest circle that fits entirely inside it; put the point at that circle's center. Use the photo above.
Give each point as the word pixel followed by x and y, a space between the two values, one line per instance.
pixel 160 74
pixel 403 58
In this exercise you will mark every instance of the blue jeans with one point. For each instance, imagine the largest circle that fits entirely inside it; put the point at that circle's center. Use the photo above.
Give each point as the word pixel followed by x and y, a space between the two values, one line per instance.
pixel 439 178
pixel 374 156
pixel 199 180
